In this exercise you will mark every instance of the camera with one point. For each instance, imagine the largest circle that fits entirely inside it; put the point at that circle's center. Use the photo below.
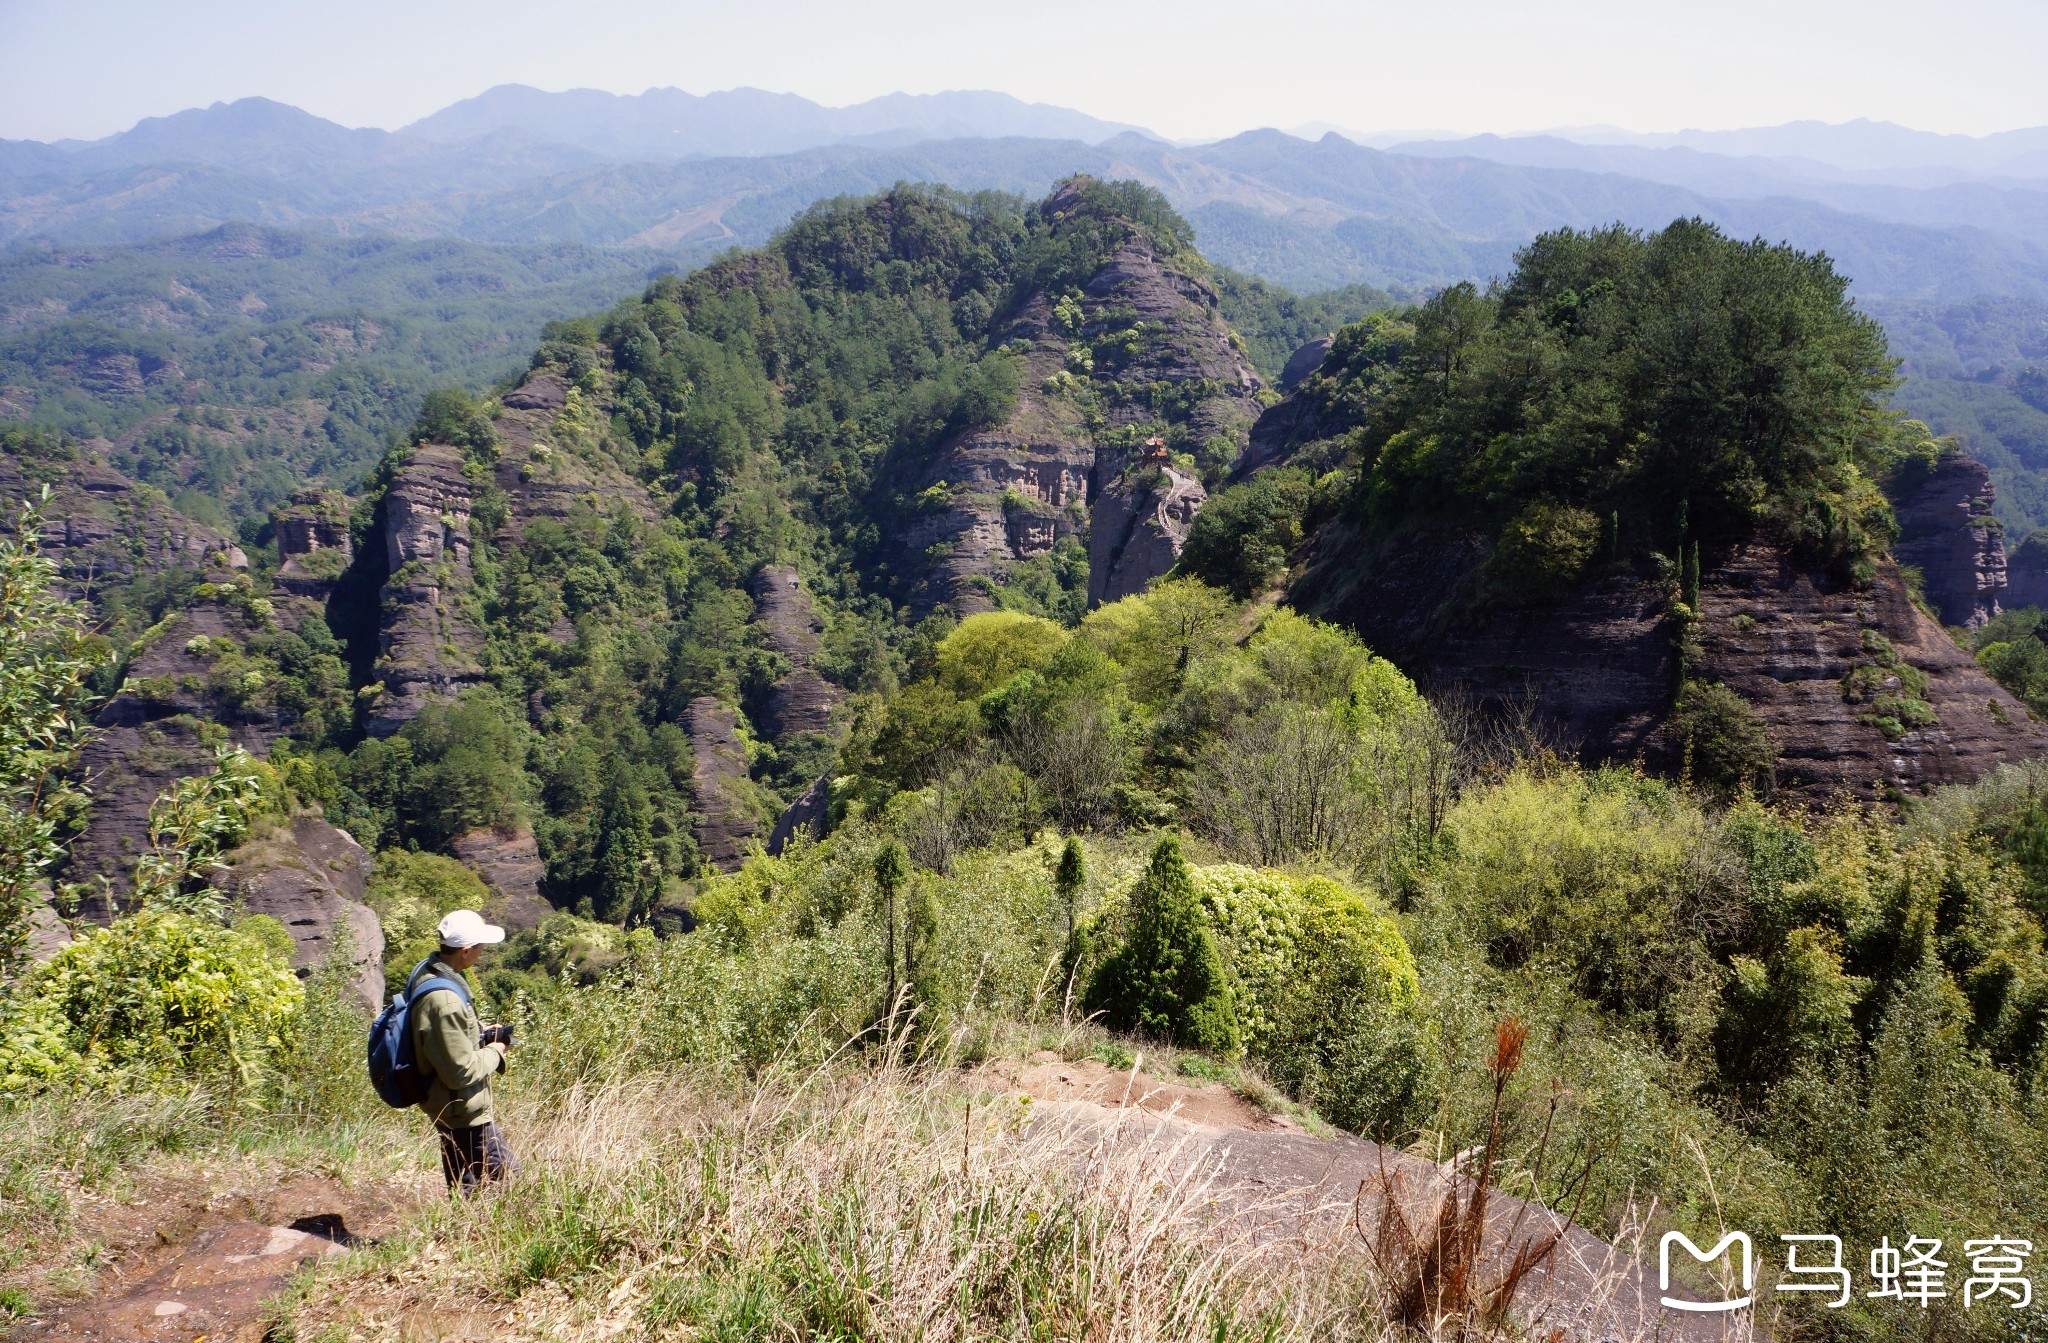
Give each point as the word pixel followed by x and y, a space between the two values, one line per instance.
pixel 495 1035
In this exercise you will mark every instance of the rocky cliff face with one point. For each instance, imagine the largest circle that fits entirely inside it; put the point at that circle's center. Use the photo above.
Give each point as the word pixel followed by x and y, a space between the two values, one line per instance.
pixel 2026 573
pixel 1598 665
pixel 801 700
pixel 1143 344
pixel 1304 361
pixel 1947 532
pixel 510 864
pixel 313 543
pixel 171 713
pixel 102 529
pixel 186 689
pixel 544 467
pixel 809 816
pixel 427 644
pixel 1796 646
pixel 1139 525
pixel 311 877
pixel 721 793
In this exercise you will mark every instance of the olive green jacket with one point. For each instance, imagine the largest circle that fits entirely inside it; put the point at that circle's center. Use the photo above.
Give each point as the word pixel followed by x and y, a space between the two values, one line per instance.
pixel 444 1031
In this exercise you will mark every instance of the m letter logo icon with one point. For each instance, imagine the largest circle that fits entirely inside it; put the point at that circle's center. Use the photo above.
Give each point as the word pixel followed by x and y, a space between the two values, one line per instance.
pixel 1738 1239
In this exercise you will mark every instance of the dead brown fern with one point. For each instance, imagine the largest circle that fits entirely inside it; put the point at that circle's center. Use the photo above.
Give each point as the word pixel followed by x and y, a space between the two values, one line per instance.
pixel 1430 1264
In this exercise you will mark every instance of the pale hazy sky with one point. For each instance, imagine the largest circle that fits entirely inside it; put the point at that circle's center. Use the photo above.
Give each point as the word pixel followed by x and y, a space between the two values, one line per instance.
pixel 1185 68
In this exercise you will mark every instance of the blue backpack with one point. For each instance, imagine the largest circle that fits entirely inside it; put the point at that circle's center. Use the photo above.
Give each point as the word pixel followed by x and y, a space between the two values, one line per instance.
pixel 394 1072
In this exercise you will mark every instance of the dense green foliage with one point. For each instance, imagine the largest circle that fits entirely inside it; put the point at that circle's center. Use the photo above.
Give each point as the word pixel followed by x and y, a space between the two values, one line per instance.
pixel 1274 322
pixel 45 661
pixel 1243 537
pixel 158 993
pixel 1166 979
pixel 2009 647
pixel 1691 384
pixel 1199 815
pixel 231 367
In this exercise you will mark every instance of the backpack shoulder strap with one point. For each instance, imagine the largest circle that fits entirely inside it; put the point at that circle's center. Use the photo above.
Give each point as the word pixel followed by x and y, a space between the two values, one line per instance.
pixel 416 990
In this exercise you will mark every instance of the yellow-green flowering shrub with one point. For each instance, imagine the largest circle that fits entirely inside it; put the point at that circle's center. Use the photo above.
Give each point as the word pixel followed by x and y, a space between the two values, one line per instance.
pixel 153 994
pixel 1325 986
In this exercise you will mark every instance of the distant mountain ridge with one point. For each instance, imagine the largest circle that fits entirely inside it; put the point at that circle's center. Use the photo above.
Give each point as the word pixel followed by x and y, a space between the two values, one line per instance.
pixel 1311 214
pixel 668 123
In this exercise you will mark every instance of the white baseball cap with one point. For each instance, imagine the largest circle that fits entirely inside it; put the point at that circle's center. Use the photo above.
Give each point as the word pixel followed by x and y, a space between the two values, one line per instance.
pixel 466 928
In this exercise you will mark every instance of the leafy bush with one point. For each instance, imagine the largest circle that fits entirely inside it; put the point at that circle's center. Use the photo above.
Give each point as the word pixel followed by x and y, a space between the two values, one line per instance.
pixel 1244 536
pixel 1718 739
pixel 154 995
pixel 1167 978
pixel 1325 988
pixel 1607 881
pixel 1544 548
pixel 988 649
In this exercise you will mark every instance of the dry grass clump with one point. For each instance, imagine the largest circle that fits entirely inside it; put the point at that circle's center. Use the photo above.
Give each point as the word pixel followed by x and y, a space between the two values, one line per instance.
pixel 848 1203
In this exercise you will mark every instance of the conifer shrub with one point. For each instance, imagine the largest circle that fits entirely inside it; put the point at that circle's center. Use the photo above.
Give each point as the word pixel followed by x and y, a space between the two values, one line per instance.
pixel 1167 979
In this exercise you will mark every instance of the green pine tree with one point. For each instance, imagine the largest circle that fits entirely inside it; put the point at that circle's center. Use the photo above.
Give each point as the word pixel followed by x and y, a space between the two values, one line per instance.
pixel 1067 879
pixel 628 873
pixel 1168 980
pixel 892 868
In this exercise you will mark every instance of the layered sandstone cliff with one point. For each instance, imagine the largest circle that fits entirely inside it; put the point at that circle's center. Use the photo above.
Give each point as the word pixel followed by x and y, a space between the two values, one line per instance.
pixel 1948 533
pixel 1142 346
pixel 1138 526
pixel 1598 665
pixel 428 645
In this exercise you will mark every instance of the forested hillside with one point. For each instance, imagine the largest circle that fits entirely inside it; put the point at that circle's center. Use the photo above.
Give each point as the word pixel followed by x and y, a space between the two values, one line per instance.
pixel 933 646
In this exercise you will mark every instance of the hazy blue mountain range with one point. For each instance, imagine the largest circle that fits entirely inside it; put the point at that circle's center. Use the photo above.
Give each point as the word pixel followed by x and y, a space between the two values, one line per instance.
pixel 1861 145
pixel 1305 213
pixel 672 124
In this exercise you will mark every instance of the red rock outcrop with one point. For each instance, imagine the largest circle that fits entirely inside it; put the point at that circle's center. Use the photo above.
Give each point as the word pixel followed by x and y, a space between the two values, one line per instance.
pixel 510 864
pixel 1947 532
pixel 801 701
pixel 1143 344
pixel 47 932
pixel 310 877
pixel 1306 359
pixel 810 816
pixel 1598 664
pixel 427 644
pixel 721 792
pixel 100 529
pixel 543 469
pixel 1784 638
pixel 163 726
pixel 1139 525
pixel 313 543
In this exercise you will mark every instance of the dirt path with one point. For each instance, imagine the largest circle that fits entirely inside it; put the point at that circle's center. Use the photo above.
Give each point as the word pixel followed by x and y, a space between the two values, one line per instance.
pixel 1322 1190
pixel 197 1257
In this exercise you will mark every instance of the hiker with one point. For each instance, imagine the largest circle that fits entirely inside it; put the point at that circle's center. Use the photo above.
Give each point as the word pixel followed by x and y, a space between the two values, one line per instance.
pixel 457 1062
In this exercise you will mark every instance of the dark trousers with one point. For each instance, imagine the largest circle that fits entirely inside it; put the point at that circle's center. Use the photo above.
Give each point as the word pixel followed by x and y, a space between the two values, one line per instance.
pixel 474 1156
